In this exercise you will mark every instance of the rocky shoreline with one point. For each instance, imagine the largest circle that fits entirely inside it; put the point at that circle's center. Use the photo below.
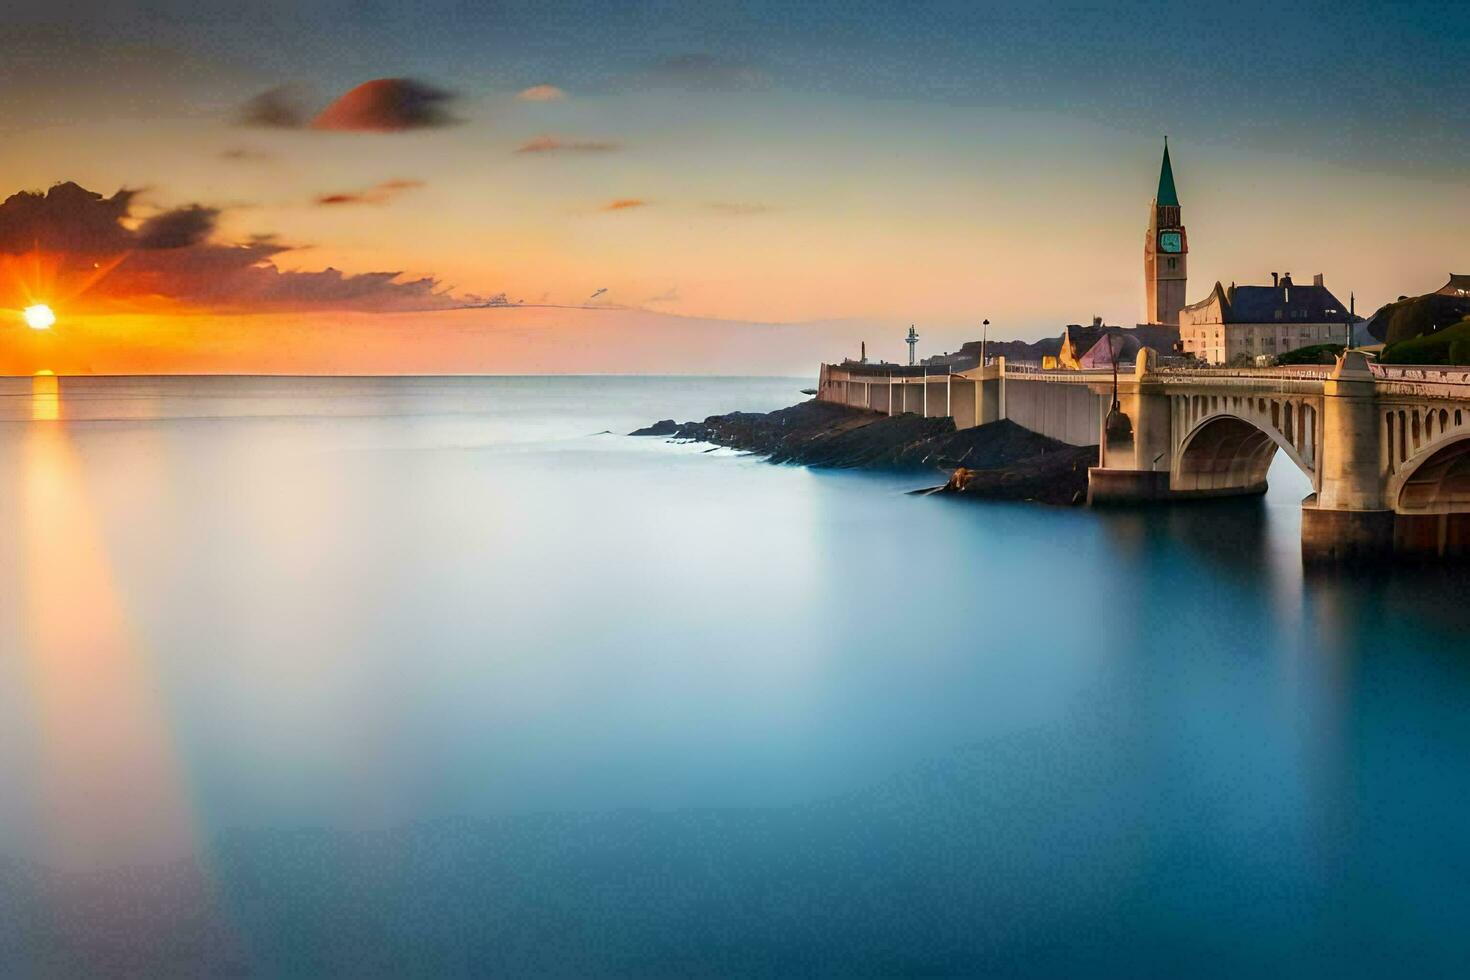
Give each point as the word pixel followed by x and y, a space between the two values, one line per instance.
pixel 998 461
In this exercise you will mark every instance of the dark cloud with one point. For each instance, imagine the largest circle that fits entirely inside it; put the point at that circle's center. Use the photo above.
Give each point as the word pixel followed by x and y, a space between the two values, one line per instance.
pixel 624 204
pixel 387 105
pixel 704 73
pixel 67 219
pixel 377 194
pixel 383 105
pixel 283 107
pixel 555 144
pixel 172 257
pixel 178 228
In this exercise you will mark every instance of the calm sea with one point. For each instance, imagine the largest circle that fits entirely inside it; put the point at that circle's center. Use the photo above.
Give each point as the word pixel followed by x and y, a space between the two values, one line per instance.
pixel 446 676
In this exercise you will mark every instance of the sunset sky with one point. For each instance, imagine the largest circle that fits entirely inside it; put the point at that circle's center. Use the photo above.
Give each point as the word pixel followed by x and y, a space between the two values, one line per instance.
pixel 752 185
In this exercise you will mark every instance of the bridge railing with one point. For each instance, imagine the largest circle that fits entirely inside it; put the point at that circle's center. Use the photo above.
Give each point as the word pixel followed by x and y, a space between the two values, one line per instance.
pixel 1306 372
pixel 1428 373
pixel 1065 374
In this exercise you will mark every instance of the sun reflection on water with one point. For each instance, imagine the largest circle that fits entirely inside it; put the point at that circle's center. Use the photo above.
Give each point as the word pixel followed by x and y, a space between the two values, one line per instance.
pixel 109 787
pixel 45 397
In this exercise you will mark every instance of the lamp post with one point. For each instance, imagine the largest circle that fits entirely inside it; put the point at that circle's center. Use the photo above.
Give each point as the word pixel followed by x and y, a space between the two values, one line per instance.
pixel 984 332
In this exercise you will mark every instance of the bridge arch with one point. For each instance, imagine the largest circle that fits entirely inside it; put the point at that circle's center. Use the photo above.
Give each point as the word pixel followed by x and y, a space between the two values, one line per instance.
pixel 1435 480
pixel 1225 452
pixel 1412 436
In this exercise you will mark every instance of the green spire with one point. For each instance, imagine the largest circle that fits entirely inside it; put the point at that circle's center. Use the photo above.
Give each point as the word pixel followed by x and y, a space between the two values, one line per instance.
pixel 1168 196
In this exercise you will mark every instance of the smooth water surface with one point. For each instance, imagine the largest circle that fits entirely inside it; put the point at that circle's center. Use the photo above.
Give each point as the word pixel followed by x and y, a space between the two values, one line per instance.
pixel 447 676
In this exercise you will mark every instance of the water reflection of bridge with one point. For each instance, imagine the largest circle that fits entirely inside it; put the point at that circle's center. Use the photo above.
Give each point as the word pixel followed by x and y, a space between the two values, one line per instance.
pixel 1386 449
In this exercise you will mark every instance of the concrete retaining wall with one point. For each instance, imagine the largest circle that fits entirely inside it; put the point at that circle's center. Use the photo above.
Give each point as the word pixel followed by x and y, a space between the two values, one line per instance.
pixel 962 403
pixel 879 396
pixel 990 402
pixel 1070 413
pixel 938 405
pixel 913 399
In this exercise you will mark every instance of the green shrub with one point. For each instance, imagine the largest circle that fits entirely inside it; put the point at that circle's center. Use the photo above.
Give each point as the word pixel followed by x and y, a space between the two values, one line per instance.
pixel 1315 354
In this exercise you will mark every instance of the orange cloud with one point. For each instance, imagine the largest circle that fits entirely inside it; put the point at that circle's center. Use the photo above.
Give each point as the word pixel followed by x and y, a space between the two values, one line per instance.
pixel 386 105
pixel 76 246
pixel 624 203
pixel 542 93
pixel 554 144
pixel 383 105
pixel 377 194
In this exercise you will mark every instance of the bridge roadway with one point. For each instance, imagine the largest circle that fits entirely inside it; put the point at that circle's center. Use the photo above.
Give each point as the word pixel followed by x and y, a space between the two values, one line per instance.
pixel 1385 448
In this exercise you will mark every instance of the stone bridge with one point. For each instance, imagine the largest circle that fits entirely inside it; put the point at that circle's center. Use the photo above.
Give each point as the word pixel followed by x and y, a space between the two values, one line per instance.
pixel 1386 449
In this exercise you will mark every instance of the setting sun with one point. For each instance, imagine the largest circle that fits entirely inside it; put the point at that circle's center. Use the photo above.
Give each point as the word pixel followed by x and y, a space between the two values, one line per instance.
pixel 39 317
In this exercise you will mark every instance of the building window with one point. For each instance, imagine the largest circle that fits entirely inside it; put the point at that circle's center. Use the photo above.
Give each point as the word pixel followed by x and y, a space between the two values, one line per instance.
pixel 1173 263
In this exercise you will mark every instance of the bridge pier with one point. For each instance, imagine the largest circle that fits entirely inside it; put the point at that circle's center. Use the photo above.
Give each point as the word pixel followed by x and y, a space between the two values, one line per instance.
pixel 1133 464
pixel 1110 486
pixel 1346 535
pixel 1347 519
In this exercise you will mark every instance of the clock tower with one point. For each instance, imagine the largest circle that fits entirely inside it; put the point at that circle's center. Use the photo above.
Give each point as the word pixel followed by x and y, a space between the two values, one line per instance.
pixel 1165 252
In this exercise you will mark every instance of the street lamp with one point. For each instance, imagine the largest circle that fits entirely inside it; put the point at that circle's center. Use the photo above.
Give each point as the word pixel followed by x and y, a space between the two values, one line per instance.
pixel 984 332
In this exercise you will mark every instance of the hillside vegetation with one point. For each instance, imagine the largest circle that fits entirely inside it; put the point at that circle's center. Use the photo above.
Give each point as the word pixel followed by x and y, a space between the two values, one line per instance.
pixel 1449 345
pixel 1417 316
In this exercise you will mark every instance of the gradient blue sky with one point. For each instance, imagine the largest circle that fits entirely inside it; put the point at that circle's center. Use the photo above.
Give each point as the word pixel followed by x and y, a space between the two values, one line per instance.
pixel 861 162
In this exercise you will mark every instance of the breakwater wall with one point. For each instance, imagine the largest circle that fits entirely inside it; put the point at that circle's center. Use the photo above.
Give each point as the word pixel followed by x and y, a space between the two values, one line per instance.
pixel 1066 406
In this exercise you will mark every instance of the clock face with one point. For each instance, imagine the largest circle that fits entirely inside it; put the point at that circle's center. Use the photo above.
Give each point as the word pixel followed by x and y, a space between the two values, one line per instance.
pixel 1171 241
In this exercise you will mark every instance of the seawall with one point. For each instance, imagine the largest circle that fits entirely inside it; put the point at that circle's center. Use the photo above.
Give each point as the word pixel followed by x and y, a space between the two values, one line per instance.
pixel 1069 410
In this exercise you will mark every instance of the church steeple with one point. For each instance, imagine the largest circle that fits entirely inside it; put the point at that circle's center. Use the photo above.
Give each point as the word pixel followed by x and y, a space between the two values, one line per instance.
pixel 1165 251
pixel 1167 196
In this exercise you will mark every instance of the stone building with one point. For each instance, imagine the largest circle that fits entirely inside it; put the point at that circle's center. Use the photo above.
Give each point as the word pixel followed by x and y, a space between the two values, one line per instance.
pixel 1263 320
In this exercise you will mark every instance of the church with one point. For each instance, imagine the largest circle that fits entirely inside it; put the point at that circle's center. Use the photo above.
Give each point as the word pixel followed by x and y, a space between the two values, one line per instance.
pixel 1165 252
pixel 1238 323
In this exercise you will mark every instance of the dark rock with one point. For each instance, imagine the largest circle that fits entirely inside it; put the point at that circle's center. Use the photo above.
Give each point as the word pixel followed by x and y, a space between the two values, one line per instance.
pixel 665 428
pixel 1001 460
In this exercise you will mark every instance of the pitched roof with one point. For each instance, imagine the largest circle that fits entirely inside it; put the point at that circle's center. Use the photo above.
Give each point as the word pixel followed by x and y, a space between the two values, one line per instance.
pixel 1293 301
pixel 1458 285
pixel 1095 347
pixel 1082 338
pixel 1114 344
pixel 1216 294
pixel 1167 195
